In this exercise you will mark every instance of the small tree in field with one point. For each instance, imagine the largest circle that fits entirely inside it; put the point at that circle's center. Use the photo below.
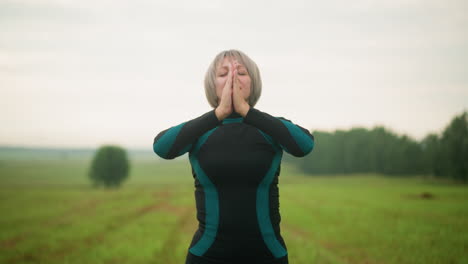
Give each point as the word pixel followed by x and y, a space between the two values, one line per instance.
pixel 109 167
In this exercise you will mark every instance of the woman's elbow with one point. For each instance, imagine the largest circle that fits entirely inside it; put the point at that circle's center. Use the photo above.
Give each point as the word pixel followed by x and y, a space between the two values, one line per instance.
pixel 309 148
pixel 306 148
pixel 162 150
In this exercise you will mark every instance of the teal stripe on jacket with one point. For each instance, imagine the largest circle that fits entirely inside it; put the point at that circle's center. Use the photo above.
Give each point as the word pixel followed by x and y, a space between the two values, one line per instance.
pixel 211 202
pixel 263 204
pixel 304 141
pixel 164 144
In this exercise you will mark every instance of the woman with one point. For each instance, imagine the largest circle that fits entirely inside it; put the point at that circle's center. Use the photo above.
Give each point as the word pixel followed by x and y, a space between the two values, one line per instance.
pixel 235 151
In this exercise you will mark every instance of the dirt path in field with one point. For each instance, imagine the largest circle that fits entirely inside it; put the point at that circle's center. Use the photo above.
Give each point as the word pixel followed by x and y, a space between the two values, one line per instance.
pixel 12 241
pixel 82 208
pixel 185 224
pixel 328 248
pixel 43 253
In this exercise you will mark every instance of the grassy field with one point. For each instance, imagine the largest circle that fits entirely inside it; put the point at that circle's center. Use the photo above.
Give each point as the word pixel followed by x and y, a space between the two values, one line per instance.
pixel 51 214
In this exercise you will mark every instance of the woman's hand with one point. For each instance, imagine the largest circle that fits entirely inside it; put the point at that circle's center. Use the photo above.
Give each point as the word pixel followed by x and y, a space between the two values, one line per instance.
pixel 225 106
pixel 240 104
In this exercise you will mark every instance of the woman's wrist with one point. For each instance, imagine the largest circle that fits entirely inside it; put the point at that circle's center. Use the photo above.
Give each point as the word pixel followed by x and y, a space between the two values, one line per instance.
pixel 220 114
pixel 244 110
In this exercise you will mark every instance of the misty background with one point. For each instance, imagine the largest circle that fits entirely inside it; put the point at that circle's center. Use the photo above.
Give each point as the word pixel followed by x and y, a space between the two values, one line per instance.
pixel 382 85
pixel 85 73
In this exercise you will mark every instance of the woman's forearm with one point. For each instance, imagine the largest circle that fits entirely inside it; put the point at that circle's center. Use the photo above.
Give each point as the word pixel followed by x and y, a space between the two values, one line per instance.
pixel 294 139
pixel 177 140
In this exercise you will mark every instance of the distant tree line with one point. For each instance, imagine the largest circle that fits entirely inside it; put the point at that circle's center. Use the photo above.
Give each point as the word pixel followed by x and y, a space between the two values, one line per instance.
pixel 379 150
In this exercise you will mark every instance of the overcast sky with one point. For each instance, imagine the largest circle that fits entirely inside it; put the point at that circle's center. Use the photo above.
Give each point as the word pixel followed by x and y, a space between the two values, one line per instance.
pixel 88 72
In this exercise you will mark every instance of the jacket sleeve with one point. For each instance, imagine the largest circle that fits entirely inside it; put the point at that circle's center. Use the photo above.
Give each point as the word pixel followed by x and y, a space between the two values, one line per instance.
pixel 294 139
pixel 177 140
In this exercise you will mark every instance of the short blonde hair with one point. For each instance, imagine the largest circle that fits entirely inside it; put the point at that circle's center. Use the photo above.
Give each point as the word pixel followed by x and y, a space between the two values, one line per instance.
pixel 252 70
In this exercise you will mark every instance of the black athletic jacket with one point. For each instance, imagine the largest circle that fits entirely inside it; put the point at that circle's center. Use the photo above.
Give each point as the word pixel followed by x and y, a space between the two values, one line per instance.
pixel 235 164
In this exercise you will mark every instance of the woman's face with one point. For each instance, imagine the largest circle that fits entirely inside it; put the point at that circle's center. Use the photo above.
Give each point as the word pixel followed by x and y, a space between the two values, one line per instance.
pixel 222 71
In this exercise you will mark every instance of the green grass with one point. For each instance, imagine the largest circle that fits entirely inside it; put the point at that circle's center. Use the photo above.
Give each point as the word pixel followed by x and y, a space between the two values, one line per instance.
pixel 51 214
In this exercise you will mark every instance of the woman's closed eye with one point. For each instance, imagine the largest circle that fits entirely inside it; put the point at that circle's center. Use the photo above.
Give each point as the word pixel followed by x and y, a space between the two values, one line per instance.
pixel 241 70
